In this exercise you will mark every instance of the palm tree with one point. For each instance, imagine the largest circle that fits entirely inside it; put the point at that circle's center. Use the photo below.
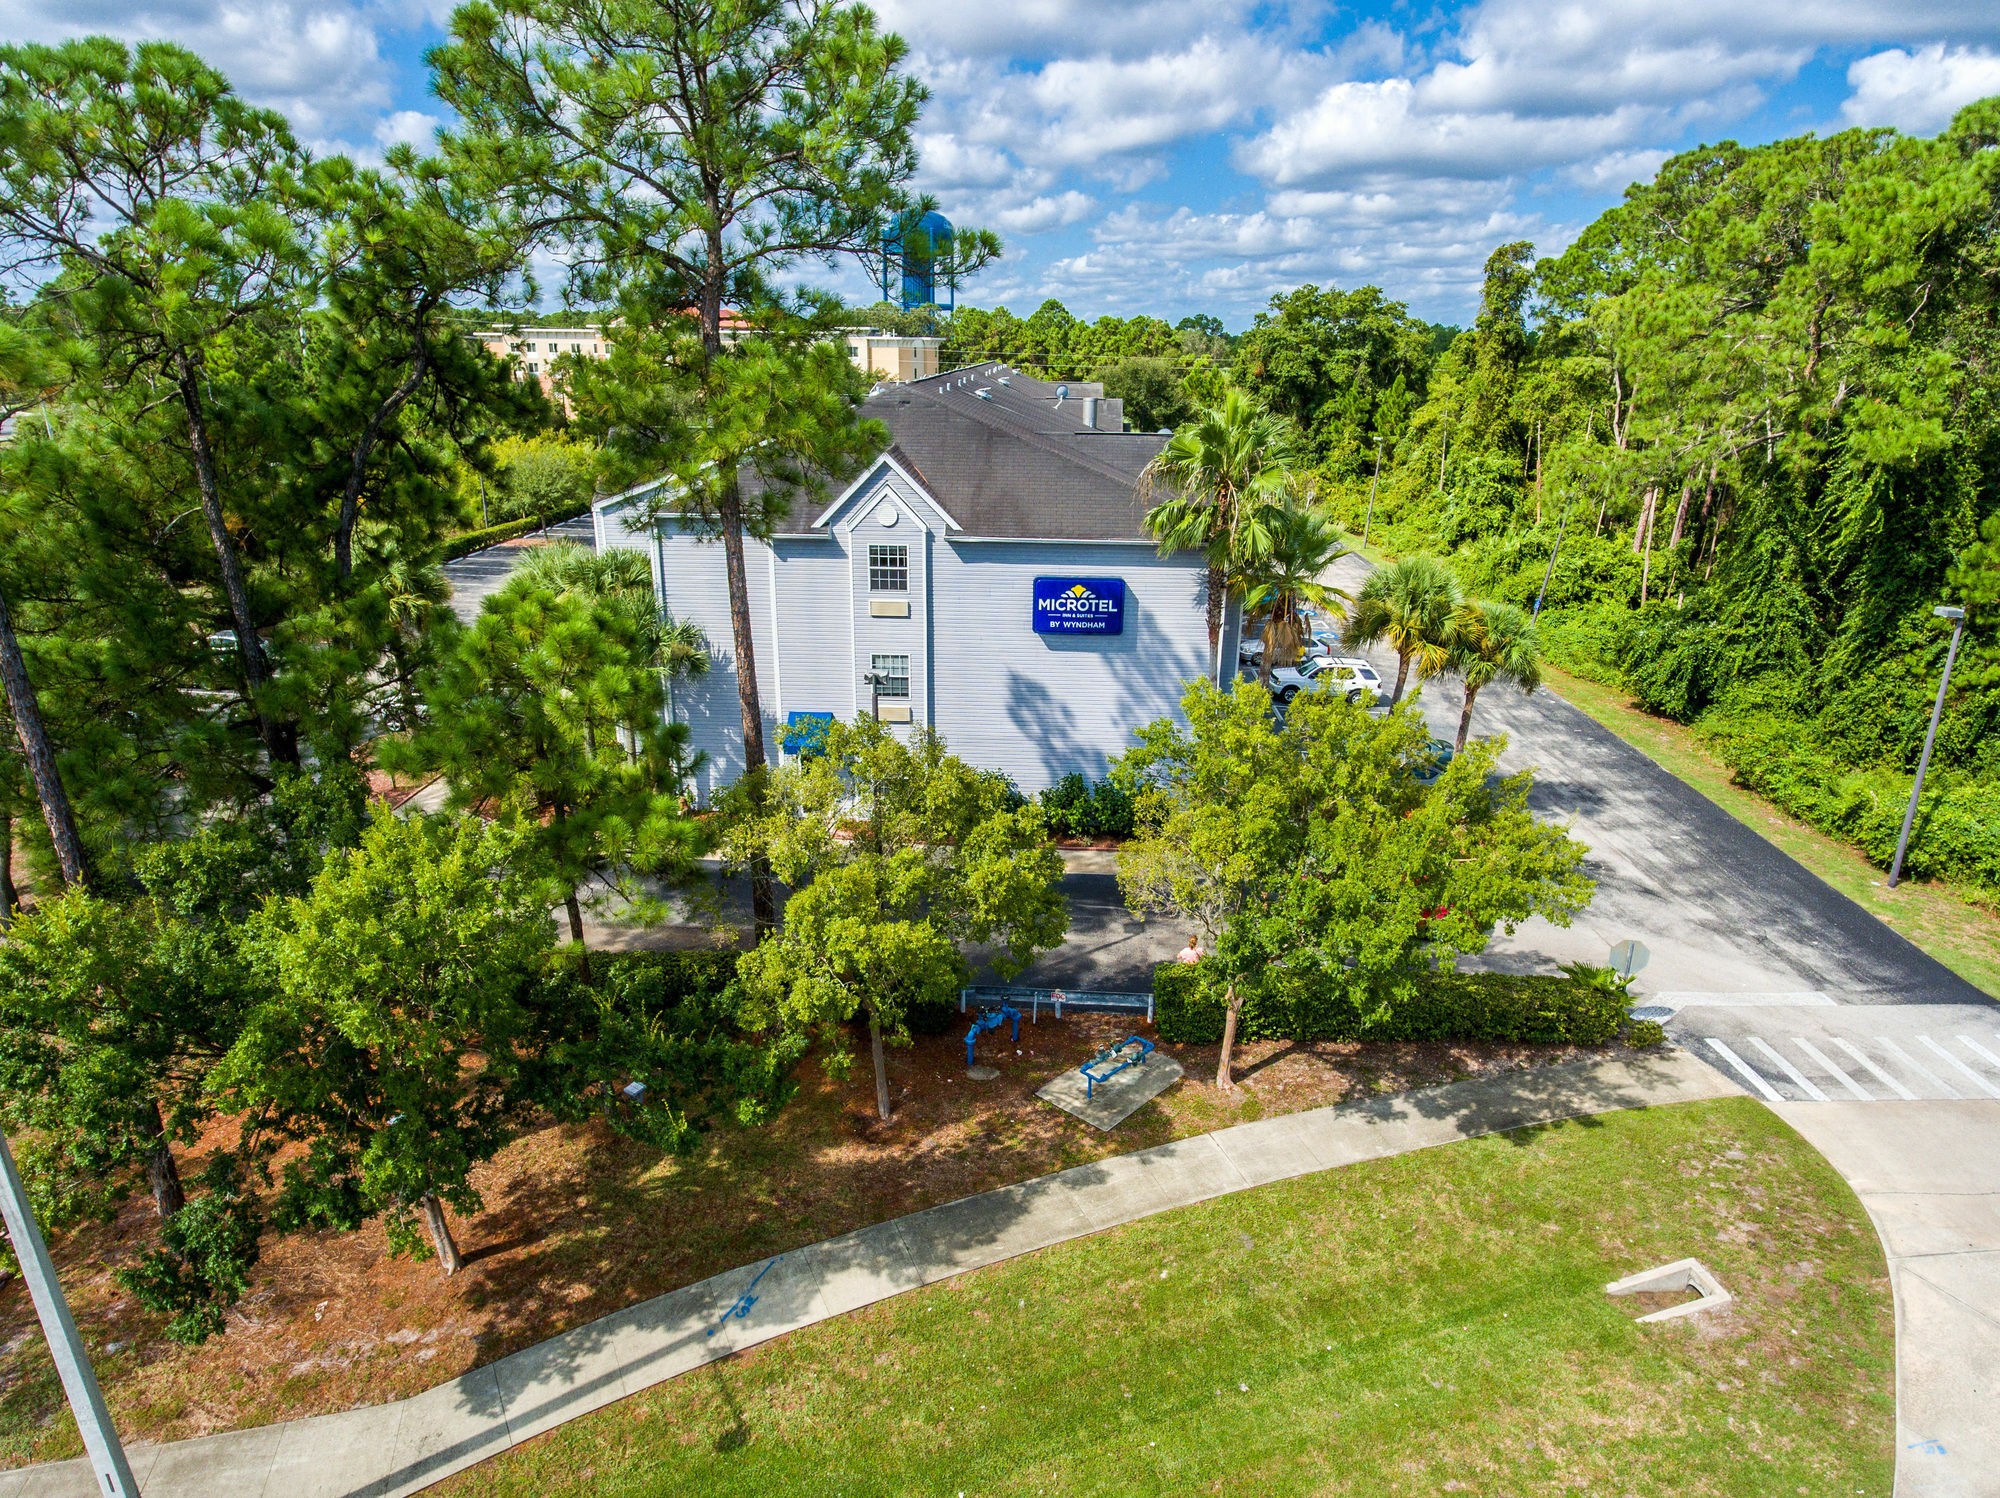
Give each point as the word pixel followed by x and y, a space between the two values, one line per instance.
pixel 1493 642
pixel 623 582
pixel 1287 581
pixel 1227 475
pixel 1414 605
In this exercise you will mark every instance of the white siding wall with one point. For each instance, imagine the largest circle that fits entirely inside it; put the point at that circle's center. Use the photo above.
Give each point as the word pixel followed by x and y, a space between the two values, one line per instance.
pixel 1004 697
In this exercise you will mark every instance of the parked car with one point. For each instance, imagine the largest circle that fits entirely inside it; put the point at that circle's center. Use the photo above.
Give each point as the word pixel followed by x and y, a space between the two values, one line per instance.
pixel 1320 671
pixel 1438 755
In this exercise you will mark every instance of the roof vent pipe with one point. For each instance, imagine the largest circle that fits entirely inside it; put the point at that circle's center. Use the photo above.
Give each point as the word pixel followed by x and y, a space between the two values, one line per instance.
pixel 1090 410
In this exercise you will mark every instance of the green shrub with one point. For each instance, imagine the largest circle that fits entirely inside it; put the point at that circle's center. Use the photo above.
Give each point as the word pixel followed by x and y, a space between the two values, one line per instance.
pixel 1076 808
pixel 468 542
pixel 1645 1032
pixel 1541 1010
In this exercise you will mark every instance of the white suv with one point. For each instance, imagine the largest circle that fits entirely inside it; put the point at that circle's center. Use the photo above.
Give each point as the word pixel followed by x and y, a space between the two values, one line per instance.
pixel 1354 679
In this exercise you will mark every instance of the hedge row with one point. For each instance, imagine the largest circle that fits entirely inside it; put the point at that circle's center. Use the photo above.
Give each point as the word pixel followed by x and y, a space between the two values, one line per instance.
pixel 471 541
pixel 1188 1008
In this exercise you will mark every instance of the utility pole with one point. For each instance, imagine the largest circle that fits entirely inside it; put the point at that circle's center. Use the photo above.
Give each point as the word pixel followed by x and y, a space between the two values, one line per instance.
pixel 1365 524
pixel 1554 552
pixel 86 1400
pixel 1957 616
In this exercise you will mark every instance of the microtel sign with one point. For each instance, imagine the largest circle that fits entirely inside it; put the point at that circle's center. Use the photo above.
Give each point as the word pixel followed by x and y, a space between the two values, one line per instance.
pixel 1079 605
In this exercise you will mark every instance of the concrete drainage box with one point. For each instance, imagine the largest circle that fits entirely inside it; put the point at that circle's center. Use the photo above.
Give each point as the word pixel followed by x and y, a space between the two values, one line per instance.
pixel 1682 1274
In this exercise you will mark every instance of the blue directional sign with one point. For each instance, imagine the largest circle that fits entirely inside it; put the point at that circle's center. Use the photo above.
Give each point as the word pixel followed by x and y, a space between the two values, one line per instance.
pixel 1079 605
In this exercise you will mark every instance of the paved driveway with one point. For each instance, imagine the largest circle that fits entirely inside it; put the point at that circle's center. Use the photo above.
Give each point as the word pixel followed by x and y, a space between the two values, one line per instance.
pixel 1722 910
pixel 480 573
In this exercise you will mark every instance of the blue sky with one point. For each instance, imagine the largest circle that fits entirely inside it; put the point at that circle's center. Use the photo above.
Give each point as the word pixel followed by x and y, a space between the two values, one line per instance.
pixel 1179 156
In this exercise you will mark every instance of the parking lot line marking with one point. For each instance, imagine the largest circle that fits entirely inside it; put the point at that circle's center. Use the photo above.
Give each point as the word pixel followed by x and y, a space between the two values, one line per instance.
pixel 1880 1075
pixel 1916 1066
pixel 1978 1050
pixel 1771 1094
pixel 1789 1070
pixel 1977 1081
pixel 1845 1080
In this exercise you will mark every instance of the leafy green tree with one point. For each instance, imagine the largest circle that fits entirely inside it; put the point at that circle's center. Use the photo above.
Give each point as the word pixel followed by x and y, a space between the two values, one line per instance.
pixel 115 1015
pixel 163 200
pixel 1316 349
pixel 1414 604
pixel 686 156
pixel 1287 581
pixel 1152 391
pixel 410 982
pixel 1310 850
pixel 781 410
pixel 548 710
pixel 900 857
pixel 1492 642
pixel 543 476
pixel 1224 476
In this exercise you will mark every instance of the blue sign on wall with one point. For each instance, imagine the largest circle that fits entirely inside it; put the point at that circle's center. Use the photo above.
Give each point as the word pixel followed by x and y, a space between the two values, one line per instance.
pixel 1079 605
pixel 805 734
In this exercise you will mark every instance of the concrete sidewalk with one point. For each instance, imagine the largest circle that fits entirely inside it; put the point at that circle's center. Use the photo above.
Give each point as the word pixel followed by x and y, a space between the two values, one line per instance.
pixel 1929 1174
pixel 383 1451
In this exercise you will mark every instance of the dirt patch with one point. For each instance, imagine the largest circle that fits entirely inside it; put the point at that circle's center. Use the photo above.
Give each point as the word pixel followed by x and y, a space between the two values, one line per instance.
pixel 580 1222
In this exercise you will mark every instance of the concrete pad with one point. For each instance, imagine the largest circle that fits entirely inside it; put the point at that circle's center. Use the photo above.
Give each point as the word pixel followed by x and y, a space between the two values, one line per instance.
pixel 1918 1226
pixel 860 1268
pixel 1272 1149
pixel 72 1479
pixel 331 1456
pixel 442 1431
pixel 236 1461
pixel 1947 1378
pixel 1901 1148
pixel 996 1225
pixel 1127 1187
pixel 542 1386
pixel 1110 1102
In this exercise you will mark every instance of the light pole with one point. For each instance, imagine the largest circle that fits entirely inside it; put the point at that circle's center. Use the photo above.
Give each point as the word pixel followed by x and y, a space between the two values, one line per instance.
pixel 1371 494
pixel 79 1381
pixel 1957 616
pixel 1554 552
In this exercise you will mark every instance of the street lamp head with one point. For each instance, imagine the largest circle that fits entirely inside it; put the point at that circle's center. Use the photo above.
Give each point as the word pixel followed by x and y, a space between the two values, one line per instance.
pixel 1948 611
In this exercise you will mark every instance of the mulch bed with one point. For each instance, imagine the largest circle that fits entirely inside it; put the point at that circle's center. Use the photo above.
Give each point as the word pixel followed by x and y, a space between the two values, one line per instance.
pixel 580 1222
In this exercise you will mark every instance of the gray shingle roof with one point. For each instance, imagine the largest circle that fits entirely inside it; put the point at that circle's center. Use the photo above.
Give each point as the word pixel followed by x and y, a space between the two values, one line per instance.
pixel 1011 463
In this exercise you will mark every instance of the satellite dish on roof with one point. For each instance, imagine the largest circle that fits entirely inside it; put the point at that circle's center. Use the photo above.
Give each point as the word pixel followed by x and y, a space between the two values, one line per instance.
pixel 1062 394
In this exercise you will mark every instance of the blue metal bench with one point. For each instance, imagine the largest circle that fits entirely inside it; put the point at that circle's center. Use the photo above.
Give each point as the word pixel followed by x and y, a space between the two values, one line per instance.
pixel 1107 1063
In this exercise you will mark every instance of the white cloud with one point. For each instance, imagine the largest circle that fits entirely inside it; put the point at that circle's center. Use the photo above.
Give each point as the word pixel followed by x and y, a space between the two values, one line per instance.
pixel 1357 129
pixel 319 62
pixel 1919 91
pixel 409 127
pixel 1615 170
pixel 1042 213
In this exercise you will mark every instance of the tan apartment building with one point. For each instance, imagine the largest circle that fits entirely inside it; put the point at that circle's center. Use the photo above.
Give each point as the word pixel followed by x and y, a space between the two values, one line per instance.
pixel 890 356
pixel 887 356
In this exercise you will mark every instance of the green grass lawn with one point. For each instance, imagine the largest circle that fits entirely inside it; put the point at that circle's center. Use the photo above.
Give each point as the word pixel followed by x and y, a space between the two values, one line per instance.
pixel 1433 1323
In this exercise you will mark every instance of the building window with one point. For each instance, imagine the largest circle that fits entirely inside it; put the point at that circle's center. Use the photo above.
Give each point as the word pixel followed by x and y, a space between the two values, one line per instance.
pixel 531 348
pixel 895 673
pixel 576 348
pixel 531 364
pixel 888 569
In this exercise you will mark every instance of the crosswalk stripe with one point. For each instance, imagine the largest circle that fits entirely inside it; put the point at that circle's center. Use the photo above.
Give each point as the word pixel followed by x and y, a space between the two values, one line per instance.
pixel 1789 1070
pixel 1978 1050
pixel 1916 1066
pixel 1844 1079
pixel 1771 1094
pixel 1977 1081
pixel 1880 1075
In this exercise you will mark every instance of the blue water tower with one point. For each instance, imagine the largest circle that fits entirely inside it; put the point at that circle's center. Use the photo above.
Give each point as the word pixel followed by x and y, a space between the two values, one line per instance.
pixel 917 249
